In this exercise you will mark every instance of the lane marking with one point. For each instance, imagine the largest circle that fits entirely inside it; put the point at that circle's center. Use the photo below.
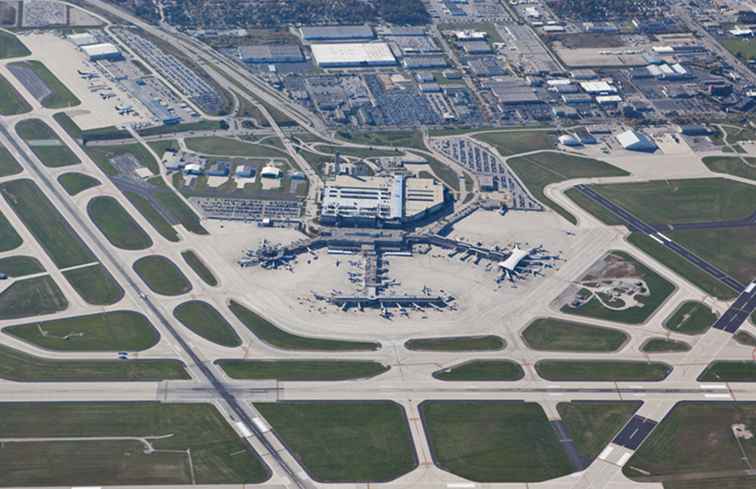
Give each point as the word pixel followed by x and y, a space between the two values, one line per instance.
pixel 718 396
pixel 607 451
pixel 623 459
pixel 459 485
pixel 713 386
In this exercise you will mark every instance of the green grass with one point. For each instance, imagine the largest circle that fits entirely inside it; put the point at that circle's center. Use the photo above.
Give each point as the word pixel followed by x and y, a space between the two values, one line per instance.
pixel 510 143
pixel 597 210
pixel 31 297
pixel 218 455
pixel 482 370
pixel 107 331
pixel 493 441
pixel 8 164
pixel 185 127
pixel 11 47
pixel 117 225
pixel 162 276
pixel 156 220
pixel 199 267
pixel 692 317
pixel 232 147
pixel 729 249
pixel 729 371
pixel 20 266
pixel 102 155
pixel 278 338
pixel 368 441
pixel 73 130
pixel 745 338
pixel 593 424
pixel 301 370
pixel 550 334
pixel 75 183
pixel 732 165
pixel 53 155
pixel 663 345
pixel 95 285
pixel 395 139
pixel 9 238
pixel 541 169
pixel 659 288
pixel 682 267
pixel 457 343
pixel 171 202
pixel 682 201
pixel 61 97
pixel 11 102
pixel 20 367
pixel 602 370
pixel 704 429
pixel 204 320
pixel 744 49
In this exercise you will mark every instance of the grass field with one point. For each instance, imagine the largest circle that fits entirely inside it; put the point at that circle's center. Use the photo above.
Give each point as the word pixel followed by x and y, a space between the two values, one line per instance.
pixel 8 164
pixel 368 441
pixel 73 130
pixel 744 49
pixel 729 249
pixel 602 370
pixel 103 154
pixel 482 370
pixel 592 425
pixel 232 147
pixel 9 238
pixel 21 367
pixel 682 267
pixel 510 143
pixel 218 455
pixel 549 334
pixel 161 275
pixel 659 289
pixel 493 441
pixel 395 139
pixel 20 266
pixel 75 183
pixel 457 343
pixel 663 345
pixel 729 371
pixel 682 201
pixel 168 199
pixel 745 338
pixel 705 430
pixel 108 331
pixel 691 318
pixel 148 211
pixel 204 320
pixel 541 169
pixel 732 165
pixel 11 47
pixel 117 225
pixel 199 267
pixel 95 285
pixel 31 297
pixel 11 102
pixel 46 144
pixel 61 97
pixel 278 338
pixel 301 370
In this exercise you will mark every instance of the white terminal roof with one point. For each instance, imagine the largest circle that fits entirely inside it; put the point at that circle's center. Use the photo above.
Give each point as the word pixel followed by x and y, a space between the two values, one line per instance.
pixel 597 87
pixel 101 49
pixel 513 260
pixel 353 54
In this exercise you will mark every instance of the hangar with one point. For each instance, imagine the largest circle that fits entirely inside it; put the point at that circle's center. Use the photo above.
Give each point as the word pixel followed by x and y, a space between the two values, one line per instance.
pixel 104 50
pixel 353 55
pixel 636 141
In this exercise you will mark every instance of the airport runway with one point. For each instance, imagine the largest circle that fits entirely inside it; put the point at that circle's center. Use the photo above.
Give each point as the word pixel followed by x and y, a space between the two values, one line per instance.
pixel 635 224
pixel 726 224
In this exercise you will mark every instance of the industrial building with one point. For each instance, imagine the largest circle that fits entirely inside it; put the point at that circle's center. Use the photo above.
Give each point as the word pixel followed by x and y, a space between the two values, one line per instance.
pixel 337 33
pixel 82 39
pixel 101 51
pixel 636 141
pixel 271 54
pixel 353 55
pixel 380 201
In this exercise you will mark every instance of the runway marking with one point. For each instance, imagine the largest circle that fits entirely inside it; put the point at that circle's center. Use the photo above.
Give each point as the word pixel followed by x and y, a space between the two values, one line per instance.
pixel 459 485
pixel 623 459
pixel 665 238
pixel 607 451
pixel 656 239
pixel 718 396
pixel 713 386
pixel 245 431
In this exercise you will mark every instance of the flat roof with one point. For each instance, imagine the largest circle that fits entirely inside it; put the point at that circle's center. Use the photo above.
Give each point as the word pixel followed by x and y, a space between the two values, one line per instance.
pixel 336 32
pixel 100 49
pixel 353 54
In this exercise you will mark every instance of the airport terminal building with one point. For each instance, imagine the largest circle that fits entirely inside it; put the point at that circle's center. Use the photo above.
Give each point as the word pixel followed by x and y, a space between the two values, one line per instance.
pixel 395 201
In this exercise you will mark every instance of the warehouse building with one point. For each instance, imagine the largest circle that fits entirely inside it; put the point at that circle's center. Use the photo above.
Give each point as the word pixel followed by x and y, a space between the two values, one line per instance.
pixel 337 33
pixel 636 141
pixel 271 54
pixel 82 39
pixel 105 50
pixel 353 55
pixel 380 201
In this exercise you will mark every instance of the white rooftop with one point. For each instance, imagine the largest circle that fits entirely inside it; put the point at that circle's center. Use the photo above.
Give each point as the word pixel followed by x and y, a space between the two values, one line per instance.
pixel 353 54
